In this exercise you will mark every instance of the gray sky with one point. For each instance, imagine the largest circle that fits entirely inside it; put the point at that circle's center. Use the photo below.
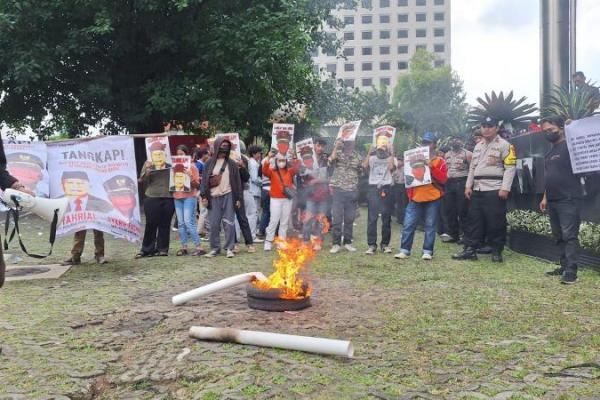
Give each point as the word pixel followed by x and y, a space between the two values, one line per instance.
pixel 495 45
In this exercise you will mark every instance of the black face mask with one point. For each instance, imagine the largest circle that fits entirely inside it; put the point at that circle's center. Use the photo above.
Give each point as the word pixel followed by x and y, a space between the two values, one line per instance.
pixel 552 137
pixel 223 150
pixel 455 146
pixel 381 153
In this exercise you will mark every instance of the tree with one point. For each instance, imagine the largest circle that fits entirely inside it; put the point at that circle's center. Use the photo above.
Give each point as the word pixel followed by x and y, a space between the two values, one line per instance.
pixel 134 65
pixel 514 114
pixel 429 98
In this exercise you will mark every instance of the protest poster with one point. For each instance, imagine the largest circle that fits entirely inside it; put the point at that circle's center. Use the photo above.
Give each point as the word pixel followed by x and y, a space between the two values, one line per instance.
pixel 305 152
pixel 98 176
pixel 179 180
pixel 383 136
pixel 234 138
pixel 282 137
pixel 158 152
pixel 27 163
pixel 583 141
pixel 348 131
pixel 416 169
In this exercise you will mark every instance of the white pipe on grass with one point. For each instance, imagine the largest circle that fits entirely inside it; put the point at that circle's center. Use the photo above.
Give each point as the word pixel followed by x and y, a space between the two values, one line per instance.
pixel 217 286
pixel 267 339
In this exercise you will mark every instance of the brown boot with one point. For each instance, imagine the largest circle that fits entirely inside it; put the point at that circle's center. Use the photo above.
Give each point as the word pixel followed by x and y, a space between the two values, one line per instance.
pixel 73 260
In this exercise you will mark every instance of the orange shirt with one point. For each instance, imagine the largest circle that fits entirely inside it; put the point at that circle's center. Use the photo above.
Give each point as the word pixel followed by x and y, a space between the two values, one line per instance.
pixel 287 175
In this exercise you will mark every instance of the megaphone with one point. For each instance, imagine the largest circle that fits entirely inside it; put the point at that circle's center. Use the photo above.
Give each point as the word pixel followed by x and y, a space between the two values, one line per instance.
pixel 45 208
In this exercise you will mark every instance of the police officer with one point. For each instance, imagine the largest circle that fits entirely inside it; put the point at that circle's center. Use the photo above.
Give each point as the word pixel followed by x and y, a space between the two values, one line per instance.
pixel 488 185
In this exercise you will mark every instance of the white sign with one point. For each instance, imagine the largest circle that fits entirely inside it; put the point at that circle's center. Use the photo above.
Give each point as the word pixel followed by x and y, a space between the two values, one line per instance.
pixel 282 138
pixel 383 136
pixel 348 131
pixel 416 170
pixel 179 180
pixel 305 152
pixel 583 141
pixel 158 152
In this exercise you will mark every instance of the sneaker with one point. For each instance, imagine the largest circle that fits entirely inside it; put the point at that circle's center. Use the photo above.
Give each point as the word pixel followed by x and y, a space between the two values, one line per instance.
pixel 211 254
pixel 349 247
pixel 71 261
pixel 317 247
pixel 449 239
pixel 556 272
pixel 335 249
pixel 401 256
pixel 230 254
pixel 371 250
pixel 387 249
pixel 250 249
pixel 445 236
pixel 268 245
pixel 257 240
pixel 427 256
pixel 467 254
pixel 497 256
pixel 568 278
pixel 101 260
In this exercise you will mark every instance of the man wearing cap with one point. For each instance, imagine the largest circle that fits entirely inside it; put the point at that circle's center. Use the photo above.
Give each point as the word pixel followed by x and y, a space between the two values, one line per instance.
pixel 27 167
pixel 76 186
pixel 121 191
pixel 491 173
pixel 424 200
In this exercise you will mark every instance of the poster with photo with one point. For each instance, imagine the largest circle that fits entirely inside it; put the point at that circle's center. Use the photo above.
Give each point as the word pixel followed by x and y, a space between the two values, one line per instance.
pixel 234 138
pixel 282 137
pixel 348 131
pixel 416 169
pixel 305 152
pixel 27 163
pixel 383 136
pixel 98 176
pixel 179 180
pixel 158 152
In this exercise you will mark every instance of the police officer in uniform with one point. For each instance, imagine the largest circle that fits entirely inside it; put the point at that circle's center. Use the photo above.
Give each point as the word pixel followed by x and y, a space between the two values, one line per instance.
pixel 488 185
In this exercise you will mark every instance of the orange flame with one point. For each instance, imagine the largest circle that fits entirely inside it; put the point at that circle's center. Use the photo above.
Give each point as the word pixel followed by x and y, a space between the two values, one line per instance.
pixel 294 256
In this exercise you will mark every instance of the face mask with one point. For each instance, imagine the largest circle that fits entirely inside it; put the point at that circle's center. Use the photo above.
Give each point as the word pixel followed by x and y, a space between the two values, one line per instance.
pixel 455 146
pixel 381 153
pixel 223 150
pixel 281 164
pixel 552 137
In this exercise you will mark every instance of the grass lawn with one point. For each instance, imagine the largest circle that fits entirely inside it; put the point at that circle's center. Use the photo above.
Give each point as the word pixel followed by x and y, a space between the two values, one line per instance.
pixel 439 329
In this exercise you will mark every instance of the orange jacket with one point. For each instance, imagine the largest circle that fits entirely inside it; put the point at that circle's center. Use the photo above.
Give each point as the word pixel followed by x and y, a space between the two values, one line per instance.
pixel 432 191
pixel 287 174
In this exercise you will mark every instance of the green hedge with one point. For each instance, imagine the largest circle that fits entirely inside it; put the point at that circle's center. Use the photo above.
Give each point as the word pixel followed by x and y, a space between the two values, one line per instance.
pixel 539 224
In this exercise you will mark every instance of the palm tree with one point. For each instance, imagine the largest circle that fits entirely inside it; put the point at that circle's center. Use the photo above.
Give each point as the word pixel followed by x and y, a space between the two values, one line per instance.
pixel 573 104
pixel 514 114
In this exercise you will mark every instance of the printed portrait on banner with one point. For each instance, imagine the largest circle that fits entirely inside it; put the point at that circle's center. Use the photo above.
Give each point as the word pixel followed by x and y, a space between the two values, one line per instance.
pixel 179 178
pixel 416 167
pixel 282 137
pixel 27 163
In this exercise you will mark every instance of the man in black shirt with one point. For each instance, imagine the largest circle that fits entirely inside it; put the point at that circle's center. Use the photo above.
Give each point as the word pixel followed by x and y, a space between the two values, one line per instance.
pixel 562 198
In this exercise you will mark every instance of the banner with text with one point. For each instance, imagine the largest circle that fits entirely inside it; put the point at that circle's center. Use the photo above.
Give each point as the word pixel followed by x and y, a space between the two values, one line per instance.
pixel 27 163
pixel 583 141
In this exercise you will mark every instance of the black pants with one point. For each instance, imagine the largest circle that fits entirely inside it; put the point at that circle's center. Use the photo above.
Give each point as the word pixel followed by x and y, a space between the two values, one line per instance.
pixel 381 201
pixel 240 214
pixel 455 207
pixel 565 218
pixel 486 221
pixel 400 202
pixel 159 212
pixel 343 213
pixel 265 205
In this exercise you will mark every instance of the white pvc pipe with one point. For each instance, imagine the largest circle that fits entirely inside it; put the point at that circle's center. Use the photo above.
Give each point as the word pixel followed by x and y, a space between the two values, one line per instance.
pixel 266 339
pixel 217 286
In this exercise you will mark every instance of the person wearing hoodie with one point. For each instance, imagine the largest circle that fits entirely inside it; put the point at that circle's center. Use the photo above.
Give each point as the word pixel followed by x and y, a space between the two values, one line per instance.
pixel 221 187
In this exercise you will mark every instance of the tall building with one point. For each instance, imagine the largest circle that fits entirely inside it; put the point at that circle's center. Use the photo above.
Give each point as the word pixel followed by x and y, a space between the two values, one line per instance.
pixel 380 37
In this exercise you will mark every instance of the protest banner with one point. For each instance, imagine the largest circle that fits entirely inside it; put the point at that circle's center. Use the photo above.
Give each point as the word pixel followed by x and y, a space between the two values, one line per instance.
pixel 348 131
pixel 282 137
pixel 27 163
pixel 158 152
pixel 98 176
pixel 234 138
pixel 179 180
pixel 583 141
pixel 416 170
pixel 384 136
pixel 305 152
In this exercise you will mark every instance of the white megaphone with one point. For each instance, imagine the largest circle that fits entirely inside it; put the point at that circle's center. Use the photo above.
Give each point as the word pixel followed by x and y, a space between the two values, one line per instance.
pixel 45 208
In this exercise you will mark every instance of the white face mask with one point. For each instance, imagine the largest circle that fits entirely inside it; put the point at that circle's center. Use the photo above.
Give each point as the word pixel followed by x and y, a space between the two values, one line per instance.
pixel 281 164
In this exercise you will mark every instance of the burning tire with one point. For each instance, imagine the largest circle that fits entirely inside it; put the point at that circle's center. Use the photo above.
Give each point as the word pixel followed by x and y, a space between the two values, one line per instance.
pixel 269 300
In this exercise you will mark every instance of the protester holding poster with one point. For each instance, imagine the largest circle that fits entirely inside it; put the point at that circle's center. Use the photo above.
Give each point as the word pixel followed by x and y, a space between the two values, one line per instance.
pixel 185 181
pixel 27 163
pixel 348 131
pixel 158 152
pixel 235 153
pixel 424 198
pixel 282 137
pixel 383 136
pixel 416 167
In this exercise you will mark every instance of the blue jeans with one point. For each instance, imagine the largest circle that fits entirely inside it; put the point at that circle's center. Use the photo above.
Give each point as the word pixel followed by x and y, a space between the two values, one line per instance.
pixel 414 212
pixel 186 215
pixel 314 209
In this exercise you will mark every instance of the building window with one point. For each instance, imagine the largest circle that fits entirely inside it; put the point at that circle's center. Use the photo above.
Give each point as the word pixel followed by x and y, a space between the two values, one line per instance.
pixel 384 19
pixel 439 63
pixel 421 47
pixel 402 17
pixel 367 66
pixel 403 49
pixel 367 51
pixel 349 67
pixel 383 50
pixel 366 19
pixel 402 3
pixel 384 34
pixel 402 33
pixel 348 51
pixel 439 48
pixel 420 17
pixel 332 68
pixel 348 35
pixel 349 20
pixel 367 4
pixel 366 82
pixel 349 83
pixel 438 2
pixel 421 2
pixel 329 52
pixel 439 16
pixel 367 35
pixel 385 81
pixel 385 66
pixel 402 65
pixel 438 32
pixel 421 33
pixel 384 3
